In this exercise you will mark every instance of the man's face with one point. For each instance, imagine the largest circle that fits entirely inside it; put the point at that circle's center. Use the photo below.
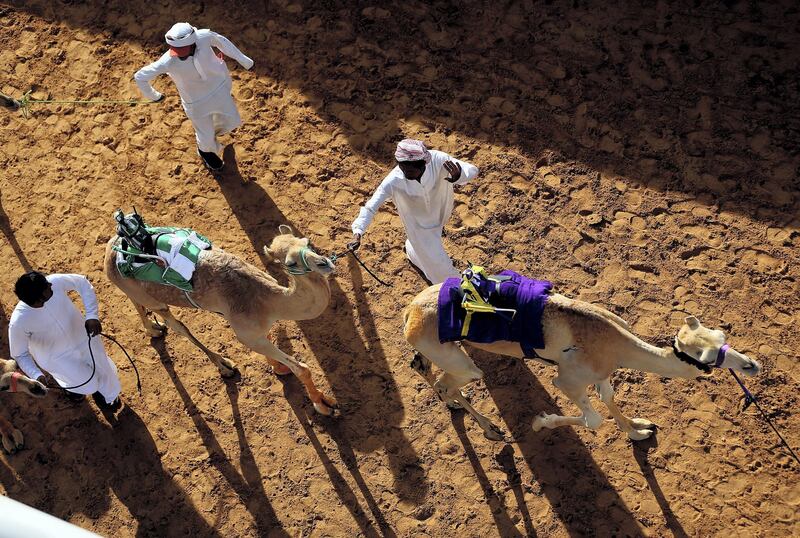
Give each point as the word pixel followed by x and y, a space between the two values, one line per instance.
pixel 48 293
pixel 413 170
pixel 182 52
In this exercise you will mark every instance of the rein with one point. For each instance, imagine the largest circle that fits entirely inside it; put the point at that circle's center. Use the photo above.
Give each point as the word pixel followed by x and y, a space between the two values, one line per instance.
pixel 94 366
pixel 749 398
pixel 367 269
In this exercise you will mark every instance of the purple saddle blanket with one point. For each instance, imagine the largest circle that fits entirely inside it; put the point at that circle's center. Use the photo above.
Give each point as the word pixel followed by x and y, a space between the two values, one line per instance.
pixel 525 295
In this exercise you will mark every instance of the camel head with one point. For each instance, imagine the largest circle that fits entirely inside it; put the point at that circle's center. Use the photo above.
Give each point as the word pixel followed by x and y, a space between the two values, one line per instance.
pixel 296 254
pixel 13 381
pixel 707 347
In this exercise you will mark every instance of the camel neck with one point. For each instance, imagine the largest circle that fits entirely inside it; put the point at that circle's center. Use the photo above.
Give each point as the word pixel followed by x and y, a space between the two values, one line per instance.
pixel 661 361
pixel 306 297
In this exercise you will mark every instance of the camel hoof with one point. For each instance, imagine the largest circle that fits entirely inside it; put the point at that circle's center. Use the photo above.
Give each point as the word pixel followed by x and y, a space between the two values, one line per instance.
pixel 13 442
pixel 640 435
pixel 539 422
pixel 227 368
pixel 326 405
pixel 494 433
pixel 281 369
pixel 642 424
pixel 455 405
pixel 156 330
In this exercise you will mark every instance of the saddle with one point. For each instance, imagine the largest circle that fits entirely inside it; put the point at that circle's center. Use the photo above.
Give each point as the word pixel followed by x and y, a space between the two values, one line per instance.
pixel 486 308
pixel 164 255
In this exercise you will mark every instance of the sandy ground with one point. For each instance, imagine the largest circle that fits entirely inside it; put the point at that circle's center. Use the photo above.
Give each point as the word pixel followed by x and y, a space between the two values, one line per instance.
pixel 644 158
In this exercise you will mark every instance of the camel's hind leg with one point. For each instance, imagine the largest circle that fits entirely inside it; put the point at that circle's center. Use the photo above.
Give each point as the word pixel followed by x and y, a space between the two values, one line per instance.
pixel 636 428
pixel 458 370
pixel 153 328
pixel 258 342
pixel 226 367
pixel 575 389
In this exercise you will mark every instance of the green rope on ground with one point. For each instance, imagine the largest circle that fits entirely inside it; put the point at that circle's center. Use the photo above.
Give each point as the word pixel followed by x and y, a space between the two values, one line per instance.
pixel 25 102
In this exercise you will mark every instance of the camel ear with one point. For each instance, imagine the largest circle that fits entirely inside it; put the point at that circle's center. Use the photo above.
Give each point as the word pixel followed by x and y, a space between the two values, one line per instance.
pixel 692 322
pixel 285 229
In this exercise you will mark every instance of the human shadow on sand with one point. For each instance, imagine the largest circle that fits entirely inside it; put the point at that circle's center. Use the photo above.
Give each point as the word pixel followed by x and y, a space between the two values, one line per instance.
pixel 248 485
pixel 73 460
pixel 561 464
pixel 638 90
pixel 343 354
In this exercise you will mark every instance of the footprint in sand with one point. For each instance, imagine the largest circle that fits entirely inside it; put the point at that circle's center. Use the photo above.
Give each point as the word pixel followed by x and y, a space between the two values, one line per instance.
pixel 467 217
pixel 761 262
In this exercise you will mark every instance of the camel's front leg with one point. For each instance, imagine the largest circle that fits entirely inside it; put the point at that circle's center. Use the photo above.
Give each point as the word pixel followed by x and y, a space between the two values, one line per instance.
pixel 226 366
pixel 259 343
pixel 636 428
pixel 153 328
pixel 575 391
pixel 12 437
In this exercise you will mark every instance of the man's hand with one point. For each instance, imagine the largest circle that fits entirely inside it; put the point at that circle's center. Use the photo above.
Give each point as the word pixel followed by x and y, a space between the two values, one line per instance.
pixel 160 98
pixel 355 243
pixel 41 379
pixel 93 327
pixel 454 169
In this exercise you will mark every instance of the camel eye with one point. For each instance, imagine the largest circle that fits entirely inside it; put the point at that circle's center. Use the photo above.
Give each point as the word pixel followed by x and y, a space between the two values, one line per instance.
pixel 291 264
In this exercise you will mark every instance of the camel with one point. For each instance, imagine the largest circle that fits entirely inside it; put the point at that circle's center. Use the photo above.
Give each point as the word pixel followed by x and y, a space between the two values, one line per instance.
pixel 586 342
pixel 13 381
pixel 248 298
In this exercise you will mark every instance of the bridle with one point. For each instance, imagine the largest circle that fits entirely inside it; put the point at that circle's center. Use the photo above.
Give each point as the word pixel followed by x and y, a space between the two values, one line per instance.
pixel 705 368
pixel 306 268
pixel 14 377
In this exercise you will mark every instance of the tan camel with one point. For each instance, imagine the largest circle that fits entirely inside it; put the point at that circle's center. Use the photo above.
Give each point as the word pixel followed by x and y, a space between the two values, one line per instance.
pixel 248 298
pixel 13 381
pixel 586 343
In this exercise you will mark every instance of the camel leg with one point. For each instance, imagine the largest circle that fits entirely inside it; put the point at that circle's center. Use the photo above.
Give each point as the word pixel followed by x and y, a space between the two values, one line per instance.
pixel 278 368
pixel 422 366
pixel 458 370
pixel 575 391
pixel 636 428
pixel 259 343
pixel 226 366
pixel 12 437
pixel 153 328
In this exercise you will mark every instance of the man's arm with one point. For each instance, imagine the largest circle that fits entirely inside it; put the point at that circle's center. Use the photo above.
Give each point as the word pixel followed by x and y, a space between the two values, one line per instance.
pixel 147 73
pixel 368 210
pixel 459 172
pixel 18 344
pixel 230 50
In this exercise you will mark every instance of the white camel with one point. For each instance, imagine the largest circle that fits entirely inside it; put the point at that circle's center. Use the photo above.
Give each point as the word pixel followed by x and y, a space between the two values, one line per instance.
pixel 13 381
pixel 248 298
pixel 586 343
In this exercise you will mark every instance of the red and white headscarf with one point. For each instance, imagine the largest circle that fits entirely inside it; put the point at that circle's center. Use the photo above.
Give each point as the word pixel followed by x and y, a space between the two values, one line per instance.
pixel 412 150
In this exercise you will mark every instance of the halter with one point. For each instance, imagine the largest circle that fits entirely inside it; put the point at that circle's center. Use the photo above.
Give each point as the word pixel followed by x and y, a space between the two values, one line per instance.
pixel 306 269
pixel 14 377
pixel 685 357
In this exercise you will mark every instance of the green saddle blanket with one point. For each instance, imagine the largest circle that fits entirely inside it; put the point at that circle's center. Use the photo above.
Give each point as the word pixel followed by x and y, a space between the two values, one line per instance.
pixel 176 253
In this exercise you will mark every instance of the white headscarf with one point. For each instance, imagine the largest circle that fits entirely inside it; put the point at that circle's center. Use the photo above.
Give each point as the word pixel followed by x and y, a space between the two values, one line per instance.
pixel 183 34
pixel 412 150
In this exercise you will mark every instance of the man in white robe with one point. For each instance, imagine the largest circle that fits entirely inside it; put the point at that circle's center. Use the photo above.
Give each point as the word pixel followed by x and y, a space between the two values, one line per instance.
pixel 421 186
pixel 203 82
pixel 47 332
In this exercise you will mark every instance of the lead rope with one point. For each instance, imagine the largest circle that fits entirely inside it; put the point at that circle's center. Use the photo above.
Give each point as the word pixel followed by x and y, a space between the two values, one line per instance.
pixel 750 399
pixel 94 365
pixel 353 253
pixel 24 103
